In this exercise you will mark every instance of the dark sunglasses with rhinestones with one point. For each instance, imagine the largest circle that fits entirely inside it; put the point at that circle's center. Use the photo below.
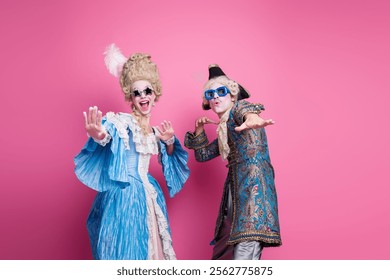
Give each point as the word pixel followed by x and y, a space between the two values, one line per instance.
pixel 147 91
pixel 221 91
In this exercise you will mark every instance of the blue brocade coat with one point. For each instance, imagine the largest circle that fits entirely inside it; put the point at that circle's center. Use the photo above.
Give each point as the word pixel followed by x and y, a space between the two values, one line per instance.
pixel 129 207
pixel 250 179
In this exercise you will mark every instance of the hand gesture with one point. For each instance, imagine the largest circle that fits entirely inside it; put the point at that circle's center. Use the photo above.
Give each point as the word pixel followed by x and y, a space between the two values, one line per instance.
pixel 199 124
pixel 93 123
pixel 166 131
pixel 253 121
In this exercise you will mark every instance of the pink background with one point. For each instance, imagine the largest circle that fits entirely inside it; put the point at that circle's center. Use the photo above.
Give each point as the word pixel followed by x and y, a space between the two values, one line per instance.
pixel 320 67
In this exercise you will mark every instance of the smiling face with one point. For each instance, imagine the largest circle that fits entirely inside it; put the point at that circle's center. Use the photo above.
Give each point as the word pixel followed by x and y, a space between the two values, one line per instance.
pixel 220 104
pixel 141 97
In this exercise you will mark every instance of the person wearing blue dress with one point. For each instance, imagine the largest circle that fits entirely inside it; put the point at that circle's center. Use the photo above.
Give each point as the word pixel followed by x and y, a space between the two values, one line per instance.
pixel 128 218
pixel 248 216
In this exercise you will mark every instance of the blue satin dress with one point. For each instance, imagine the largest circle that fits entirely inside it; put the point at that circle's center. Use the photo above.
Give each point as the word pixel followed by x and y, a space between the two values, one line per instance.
pixel 128 218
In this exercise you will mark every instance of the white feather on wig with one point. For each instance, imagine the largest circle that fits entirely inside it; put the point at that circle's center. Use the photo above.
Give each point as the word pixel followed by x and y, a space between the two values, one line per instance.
pixel 114 60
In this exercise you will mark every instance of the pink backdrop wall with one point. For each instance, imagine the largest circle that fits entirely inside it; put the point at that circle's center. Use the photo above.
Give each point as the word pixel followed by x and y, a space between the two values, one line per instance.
pixel 320 67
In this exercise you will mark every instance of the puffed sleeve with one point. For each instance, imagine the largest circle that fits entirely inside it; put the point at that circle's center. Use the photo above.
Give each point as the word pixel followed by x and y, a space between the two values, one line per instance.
pixel 102 167
pixel 175 168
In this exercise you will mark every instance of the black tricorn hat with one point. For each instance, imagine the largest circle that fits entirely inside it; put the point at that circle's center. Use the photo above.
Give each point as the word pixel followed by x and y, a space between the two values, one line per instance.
pixel 216 71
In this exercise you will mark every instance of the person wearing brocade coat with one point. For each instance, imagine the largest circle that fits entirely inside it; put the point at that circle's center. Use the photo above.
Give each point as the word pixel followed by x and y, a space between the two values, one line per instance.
pixel 248 216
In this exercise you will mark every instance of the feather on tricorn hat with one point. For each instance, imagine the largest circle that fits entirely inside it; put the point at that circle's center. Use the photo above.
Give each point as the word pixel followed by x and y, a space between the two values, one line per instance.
pixel 216 71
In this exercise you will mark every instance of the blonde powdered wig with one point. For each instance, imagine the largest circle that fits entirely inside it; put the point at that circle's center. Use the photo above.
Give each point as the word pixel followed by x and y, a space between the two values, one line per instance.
pixel 139 67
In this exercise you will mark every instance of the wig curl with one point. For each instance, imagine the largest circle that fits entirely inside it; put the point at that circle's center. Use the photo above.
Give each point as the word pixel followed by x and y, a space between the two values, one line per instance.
pixel 139 67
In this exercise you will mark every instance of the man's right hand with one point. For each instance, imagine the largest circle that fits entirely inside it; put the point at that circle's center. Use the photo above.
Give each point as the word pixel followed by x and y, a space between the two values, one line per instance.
pixel 199 124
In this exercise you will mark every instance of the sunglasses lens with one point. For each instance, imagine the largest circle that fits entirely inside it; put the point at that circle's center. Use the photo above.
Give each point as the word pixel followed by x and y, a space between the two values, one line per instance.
pixel 209 94
pixel 148 91
pixel 136 93
pixel 221 91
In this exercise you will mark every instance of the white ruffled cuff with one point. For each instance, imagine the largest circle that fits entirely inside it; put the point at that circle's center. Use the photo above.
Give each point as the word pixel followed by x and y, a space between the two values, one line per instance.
pixel 104 141
pixel 170 141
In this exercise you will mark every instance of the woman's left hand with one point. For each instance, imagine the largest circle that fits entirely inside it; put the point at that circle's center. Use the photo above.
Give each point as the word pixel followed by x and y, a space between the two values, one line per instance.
pixel 166 131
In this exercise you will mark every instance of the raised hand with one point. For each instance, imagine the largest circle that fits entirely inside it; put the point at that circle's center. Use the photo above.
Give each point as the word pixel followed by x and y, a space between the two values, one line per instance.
pixel 253 121
pixel 93 123
pixel 166 131
pixel 199 124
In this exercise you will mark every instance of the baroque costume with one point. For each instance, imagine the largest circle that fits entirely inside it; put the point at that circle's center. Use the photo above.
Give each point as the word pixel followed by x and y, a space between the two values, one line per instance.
pixel 128 218
pixel 249 182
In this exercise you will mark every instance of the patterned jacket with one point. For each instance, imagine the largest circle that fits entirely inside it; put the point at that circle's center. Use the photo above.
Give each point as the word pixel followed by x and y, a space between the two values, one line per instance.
pixel 250 179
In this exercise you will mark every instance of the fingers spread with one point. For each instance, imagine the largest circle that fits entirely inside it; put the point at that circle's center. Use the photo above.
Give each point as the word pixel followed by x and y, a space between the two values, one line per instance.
pixel 270 121
pixel 164 126
pixel 90 112
pixel 94 115
pixel 99 118
pixel 85 118
pixel 212 121
pixel 204 120
pixel 159 129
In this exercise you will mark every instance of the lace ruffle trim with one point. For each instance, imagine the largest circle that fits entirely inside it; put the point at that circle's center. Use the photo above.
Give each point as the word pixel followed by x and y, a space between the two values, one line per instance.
pixel 155 210
pixel 143 144
pixel 104 141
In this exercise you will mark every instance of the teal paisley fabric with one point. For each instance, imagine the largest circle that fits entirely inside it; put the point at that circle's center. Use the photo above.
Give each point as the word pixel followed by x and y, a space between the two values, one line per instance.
pixel 250 179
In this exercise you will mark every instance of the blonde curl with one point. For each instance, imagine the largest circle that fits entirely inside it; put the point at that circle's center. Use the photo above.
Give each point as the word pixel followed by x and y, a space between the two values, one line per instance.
pixel 139 67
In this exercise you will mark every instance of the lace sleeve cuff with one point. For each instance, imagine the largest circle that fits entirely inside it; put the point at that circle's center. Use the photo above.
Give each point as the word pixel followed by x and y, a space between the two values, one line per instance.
pixel 170 141
pixel 104 141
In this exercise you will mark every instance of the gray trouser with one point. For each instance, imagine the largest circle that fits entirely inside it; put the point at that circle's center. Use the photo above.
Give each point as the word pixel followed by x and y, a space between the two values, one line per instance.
pixel 247 250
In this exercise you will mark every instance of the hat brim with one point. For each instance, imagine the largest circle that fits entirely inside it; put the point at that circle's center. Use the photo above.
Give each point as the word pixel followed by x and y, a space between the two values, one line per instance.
pixel 242 94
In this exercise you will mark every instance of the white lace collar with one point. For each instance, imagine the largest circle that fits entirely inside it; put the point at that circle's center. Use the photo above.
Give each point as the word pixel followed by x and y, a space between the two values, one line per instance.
pixel 143 144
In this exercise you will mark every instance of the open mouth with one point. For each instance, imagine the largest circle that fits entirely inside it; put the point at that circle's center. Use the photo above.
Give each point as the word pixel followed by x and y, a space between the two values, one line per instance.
pixel 144 105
